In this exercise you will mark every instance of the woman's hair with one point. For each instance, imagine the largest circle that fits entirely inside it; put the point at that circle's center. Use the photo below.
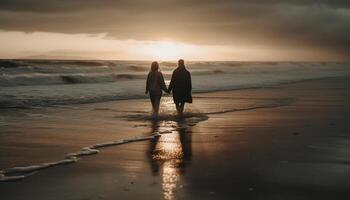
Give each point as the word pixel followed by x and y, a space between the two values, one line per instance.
pixel 154 66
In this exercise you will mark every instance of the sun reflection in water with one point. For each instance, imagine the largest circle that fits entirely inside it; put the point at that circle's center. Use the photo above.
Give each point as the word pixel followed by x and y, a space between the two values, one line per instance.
pixel 171 151
pixel 170 177
pixel 168 150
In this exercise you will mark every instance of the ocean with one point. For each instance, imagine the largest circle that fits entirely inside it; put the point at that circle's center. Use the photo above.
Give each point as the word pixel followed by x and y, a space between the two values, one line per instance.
pixel 42 83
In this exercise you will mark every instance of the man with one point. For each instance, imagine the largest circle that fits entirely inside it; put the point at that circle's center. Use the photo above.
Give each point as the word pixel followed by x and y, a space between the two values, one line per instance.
pixel 181 86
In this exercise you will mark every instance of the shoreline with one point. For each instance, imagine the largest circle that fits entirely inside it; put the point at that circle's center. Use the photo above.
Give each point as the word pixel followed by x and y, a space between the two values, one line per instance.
pixel 277 152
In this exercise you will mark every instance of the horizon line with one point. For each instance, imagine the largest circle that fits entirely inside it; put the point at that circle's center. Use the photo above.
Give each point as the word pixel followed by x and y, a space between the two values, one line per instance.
pixel 149 60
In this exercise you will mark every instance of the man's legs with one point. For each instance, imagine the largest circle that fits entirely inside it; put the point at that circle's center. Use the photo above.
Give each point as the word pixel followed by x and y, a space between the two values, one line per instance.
pixel 180 107
pixel 177 104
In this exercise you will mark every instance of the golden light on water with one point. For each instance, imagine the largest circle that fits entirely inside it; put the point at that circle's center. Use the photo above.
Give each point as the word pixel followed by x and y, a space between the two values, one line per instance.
pixel 171 151
pixel 170 178
pixel 168 147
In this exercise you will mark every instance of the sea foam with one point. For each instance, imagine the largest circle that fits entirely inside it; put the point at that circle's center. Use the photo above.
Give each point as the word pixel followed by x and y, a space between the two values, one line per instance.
pixel 19 173
pixel 25 84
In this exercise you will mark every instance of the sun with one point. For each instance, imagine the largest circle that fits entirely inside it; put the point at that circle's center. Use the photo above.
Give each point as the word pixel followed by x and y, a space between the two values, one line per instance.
pixel 165 50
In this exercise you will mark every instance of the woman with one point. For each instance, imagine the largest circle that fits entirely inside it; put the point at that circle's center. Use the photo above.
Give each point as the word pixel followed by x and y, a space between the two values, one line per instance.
pixel 154 85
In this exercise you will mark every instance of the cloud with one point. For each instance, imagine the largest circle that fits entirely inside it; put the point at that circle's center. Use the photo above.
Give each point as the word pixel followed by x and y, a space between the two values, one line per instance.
pixel 300 24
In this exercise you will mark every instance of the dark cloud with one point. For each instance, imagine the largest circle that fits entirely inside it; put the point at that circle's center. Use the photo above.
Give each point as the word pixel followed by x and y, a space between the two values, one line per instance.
pixel 315 25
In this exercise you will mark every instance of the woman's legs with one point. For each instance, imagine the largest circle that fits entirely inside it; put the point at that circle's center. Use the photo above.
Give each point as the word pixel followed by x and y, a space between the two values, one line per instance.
pixel 152 98
pixel 155 100
pixel 156 105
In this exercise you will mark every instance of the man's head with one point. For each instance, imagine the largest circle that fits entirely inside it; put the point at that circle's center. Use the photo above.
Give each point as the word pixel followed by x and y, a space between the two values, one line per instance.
pixel 181 63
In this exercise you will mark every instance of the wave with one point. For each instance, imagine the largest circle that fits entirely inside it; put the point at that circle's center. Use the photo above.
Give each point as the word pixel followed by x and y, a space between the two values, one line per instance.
pixel 57 79
pixel 23 63
pixel 50 83
pixel 94 93
pixel 202 116
pixel 19 173
pixel 75 79
pixel 195 117
pixel 10 64
pixel 137 68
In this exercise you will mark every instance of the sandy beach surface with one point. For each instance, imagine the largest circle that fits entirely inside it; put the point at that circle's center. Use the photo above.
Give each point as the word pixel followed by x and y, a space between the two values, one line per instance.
pixel 284 142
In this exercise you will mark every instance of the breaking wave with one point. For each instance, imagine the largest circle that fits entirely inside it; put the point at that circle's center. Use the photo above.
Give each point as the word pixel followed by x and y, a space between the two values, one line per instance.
pixel 31 83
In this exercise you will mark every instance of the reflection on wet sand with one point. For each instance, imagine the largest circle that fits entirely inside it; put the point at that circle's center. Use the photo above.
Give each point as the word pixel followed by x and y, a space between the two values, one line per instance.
pixel 170 153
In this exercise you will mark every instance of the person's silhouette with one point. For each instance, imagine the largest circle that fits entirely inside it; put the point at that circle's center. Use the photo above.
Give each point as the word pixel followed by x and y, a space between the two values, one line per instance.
pixel 181 86
pixel 154 85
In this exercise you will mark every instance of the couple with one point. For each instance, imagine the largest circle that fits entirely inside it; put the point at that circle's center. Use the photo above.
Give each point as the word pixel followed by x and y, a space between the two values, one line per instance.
pixel 180 85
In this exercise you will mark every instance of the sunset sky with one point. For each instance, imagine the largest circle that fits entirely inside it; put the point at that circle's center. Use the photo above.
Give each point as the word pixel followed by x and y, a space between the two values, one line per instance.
pixel 295 30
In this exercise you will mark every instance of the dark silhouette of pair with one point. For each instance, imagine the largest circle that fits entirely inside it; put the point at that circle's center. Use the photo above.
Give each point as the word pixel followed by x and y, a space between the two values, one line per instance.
pixel 180 85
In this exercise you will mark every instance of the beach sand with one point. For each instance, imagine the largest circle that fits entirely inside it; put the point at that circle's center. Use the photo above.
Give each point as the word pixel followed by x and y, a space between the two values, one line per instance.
pixel 283 142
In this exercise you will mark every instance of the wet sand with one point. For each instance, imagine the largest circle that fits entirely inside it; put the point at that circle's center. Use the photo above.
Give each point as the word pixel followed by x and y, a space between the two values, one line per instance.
pixel 284 142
